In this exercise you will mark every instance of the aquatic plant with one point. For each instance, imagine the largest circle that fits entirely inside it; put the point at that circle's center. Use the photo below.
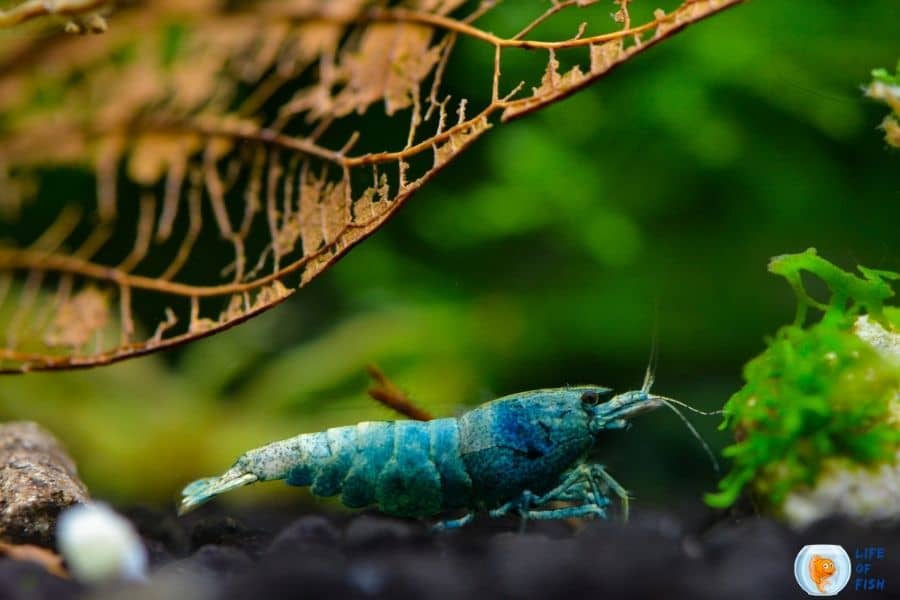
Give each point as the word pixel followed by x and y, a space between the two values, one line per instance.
pixel 822 400
pixel 886 88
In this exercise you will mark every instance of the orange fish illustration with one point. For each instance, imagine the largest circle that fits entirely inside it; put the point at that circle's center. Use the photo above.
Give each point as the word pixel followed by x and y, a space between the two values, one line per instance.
pixel 820 569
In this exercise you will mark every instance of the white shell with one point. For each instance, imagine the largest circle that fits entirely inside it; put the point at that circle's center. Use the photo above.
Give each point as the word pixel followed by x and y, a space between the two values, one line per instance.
pixel 100 545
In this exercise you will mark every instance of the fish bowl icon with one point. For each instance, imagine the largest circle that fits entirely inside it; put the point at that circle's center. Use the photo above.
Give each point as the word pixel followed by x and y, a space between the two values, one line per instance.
pixel 822 569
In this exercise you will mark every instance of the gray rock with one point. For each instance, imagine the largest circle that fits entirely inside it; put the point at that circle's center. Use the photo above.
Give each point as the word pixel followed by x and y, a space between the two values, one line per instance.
pixel 37 481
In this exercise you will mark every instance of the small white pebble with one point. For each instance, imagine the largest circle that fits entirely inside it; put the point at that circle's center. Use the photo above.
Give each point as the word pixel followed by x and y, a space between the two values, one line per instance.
pixel 100 545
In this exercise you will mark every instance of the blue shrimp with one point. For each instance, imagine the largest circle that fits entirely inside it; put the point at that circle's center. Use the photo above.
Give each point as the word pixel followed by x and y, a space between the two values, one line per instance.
pixel 520 454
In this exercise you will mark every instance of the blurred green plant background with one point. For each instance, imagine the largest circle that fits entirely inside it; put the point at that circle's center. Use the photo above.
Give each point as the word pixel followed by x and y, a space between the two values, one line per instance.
pixel 542 257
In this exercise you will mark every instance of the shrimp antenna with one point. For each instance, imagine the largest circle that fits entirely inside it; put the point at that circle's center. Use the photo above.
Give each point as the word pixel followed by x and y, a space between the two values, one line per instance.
pixel 671 404
pixel 692 409
pixel 650 377
pixel 650 374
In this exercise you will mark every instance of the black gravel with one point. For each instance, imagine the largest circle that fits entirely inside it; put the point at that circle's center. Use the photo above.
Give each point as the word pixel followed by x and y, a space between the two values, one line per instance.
pixel 271 553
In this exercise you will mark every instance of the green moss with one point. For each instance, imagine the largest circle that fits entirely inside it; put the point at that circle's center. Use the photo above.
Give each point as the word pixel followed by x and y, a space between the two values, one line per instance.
pixel 884 76
pixel 886 88
pixel 817 392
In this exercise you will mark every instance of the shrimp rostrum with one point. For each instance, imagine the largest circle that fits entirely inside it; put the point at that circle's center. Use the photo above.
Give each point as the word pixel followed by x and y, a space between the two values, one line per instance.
pixel 524 454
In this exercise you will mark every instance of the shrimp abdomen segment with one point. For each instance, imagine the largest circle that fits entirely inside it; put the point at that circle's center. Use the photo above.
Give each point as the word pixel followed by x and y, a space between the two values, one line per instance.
pixel 456 484
pixel 409 483
pixel 374 447
pixel 406 468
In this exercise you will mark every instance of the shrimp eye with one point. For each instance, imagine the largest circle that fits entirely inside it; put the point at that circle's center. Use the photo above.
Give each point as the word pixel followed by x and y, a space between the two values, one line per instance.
pixel 590 397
